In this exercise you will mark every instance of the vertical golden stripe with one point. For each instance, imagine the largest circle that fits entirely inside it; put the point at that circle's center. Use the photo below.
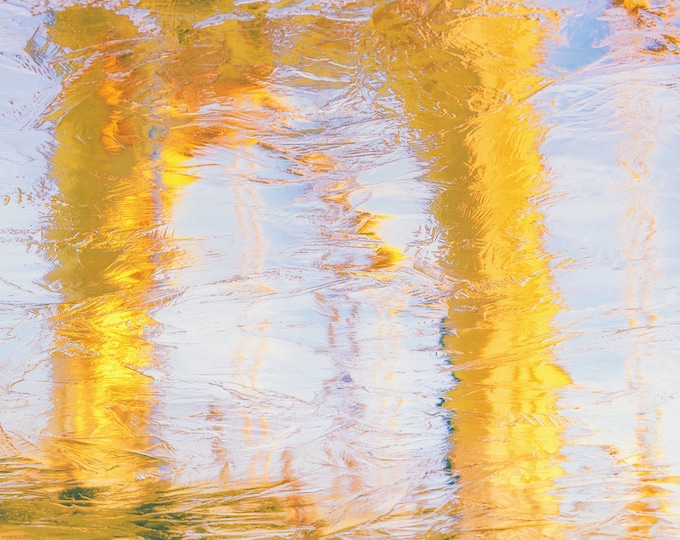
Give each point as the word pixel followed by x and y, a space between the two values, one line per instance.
pixel 506 428
pixel 101 239
pixel 475 70
pixel 125 132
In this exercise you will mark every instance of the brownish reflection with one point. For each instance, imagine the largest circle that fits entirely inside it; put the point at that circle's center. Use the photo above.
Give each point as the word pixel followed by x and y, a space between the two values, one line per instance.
pixel 471 74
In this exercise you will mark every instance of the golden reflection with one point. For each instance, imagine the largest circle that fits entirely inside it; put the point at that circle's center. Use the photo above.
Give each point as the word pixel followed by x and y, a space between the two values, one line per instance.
pixel 134 110
pixel 475 70
pixel 101 238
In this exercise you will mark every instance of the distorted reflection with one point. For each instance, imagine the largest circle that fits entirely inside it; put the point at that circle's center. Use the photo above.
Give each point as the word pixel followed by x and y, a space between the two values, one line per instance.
pixel 102 238
pixel 506 426
pixel 127 124
pixel 341 270
pixel 647 511
pixel 618 284
pixel 650 25
pixel 642 271
pixel 354 471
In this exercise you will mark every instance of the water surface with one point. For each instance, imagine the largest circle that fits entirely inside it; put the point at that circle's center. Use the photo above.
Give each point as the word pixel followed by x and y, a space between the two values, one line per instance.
pixel 339 269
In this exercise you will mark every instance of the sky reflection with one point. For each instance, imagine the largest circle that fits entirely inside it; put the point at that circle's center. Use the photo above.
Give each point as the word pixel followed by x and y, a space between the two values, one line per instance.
pixel 312 270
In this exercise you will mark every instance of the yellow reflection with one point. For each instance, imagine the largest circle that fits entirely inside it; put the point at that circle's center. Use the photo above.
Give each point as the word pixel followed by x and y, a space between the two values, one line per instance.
pixel 202 67
pixel 134 113
pixel 101 238
pixel 476 68
pixel 131 116
pixel 507 430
